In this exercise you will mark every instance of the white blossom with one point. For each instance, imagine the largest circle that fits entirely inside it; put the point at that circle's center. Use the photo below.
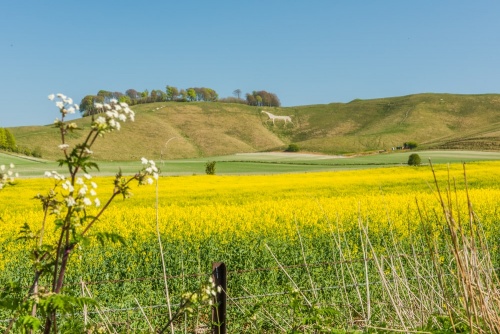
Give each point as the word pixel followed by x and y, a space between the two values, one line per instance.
pixel 70 201
pixel 144 161
pixel 63 146
pixel 87 201
pixel 97 202
pixel 82 191
pixel 100 120
pixel 69 186
pixel 51 97
pixel 55 175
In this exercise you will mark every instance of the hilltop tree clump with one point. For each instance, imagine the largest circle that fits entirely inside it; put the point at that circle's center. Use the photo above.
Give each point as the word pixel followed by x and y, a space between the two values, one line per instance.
pixel 262 98
pixel 131 96
pixel 87 105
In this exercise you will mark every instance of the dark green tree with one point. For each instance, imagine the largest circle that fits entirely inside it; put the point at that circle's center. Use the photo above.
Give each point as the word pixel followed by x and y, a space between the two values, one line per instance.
pixel 154 95
pixel 410 145
pixel 126 99
pixel 87 104
pixel 251 99
pixel 106 95
pixel 2 138
pixel 172 93
pixel 210 167
pixel 292 148
pixel 10 141
pixel 414 160
pixel 191 94
pixel 183 96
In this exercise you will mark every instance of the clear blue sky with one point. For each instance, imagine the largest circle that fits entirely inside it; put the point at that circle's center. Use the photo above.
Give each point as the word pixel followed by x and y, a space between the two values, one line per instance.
pixel 306 52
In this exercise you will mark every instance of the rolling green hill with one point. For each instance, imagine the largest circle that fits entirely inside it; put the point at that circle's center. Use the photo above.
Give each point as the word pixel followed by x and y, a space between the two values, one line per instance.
pixel 434 121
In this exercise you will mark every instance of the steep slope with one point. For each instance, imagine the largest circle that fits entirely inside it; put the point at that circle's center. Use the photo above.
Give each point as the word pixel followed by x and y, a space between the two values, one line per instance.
pixel 199 129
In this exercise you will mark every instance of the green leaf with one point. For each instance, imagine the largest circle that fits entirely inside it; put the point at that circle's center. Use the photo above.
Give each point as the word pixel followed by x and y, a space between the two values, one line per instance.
pixel 102 237
pixel 11 296
pixel 29 322
pixel 26 233
pixel 9 303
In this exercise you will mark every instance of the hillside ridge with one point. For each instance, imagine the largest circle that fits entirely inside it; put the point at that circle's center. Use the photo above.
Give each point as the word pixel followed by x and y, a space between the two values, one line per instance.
pixel 204 129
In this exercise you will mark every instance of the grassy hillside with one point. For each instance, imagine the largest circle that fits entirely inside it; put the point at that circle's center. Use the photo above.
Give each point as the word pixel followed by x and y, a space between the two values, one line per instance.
pixel 212 129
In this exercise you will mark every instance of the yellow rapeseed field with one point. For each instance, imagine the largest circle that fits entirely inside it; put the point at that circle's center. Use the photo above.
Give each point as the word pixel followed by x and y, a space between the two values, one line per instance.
pixel 194 209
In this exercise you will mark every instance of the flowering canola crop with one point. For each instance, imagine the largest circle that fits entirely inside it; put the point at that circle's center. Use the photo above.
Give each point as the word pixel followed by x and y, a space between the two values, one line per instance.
pixel 229 212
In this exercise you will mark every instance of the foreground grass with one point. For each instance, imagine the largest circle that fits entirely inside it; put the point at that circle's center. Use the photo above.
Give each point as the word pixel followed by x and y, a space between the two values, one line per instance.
pixel 308 223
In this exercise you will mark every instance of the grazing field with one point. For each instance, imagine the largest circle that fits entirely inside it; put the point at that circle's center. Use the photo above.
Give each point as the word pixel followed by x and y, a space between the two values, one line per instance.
pixel 289 240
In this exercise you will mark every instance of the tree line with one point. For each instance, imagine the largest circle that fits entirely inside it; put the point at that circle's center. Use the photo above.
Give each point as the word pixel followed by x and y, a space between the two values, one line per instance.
pixel 174 94
pixel 7 140
pixel 8 143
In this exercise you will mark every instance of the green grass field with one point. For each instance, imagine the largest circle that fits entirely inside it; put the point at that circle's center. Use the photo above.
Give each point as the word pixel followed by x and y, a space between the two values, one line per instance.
pixel 258 163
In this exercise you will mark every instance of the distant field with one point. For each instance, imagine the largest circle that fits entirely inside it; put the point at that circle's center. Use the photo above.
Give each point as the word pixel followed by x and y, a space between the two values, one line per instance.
pixel 259 163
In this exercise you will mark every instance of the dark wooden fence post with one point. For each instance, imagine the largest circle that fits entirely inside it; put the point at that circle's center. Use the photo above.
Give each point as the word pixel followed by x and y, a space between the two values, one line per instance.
pixel 219 310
